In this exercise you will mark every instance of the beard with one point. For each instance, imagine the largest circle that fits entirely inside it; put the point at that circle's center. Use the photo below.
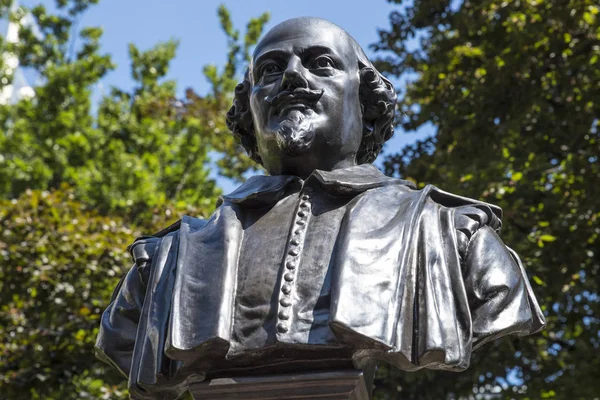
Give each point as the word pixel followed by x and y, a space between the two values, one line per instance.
pixel 295 134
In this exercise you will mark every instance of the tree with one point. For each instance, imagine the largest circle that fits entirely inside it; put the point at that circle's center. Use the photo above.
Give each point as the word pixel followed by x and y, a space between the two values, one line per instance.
pixel 76 187
pixel 45 138
pixel 513 90
pixel 144 148
pixel 58 264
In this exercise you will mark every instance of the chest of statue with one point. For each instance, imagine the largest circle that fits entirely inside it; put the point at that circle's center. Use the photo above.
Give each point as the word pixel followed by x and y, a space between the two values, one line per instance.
pixel 285 269
pixel 290 278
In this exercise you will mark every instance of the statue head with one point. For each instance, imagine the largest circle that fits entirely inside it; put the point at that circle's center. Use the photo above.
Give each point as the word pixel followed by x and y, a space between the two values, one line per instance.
pixel 311 99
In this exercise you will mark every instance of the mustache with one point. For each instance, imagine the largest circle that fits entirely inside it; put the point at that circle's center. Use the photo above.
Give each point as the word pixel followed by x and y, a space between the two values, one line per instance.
pixel 298 95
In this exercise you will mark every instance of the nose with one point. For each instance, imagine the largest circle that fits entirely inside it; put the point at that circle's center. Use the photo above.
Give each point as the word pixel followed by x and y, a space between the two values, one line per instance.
pixel 294 75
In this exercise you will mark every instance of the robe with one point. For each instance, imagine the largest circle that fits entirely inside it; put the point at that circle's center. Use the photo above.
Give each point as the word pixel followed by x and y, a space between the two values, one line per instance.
pixel 416 278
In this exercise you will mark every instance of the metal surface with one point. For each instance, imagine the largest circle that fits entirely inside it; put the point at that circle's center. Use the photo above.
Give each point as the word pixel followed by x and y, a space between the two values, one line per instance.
pixel 325 263
pixel 330 385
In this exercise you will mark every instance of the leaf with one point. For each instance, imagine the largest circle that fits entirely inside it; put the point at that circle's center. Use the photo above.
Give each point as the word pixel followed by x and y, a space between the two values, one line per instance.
pixel 480 72
pixel 537 280
pixel 517 176
pixel 548 238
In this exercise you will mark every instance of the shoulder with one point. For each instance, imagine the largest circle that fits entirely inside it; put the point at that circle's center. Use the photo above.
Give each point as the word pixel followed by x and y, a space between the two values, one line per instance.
pixel 143 248
pixel 450 200
pixel 469 215
pixel 437 197
pixel 467 211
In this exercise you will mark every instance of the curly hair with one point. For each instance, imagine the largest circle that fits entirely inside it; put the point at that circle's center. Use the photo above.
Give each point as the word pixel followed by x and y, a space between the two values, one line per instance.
pixel 377 98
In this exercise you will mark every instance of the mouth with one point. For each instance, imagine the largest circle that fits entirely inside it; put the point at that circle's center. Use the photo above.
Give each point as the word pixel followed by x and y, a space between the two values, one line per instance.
pixel 300 99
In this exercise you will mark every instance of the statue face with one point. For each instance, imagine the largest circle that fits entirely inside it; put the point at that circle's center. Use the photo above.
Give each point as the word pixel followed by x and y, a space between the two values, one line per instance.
pixel 305 97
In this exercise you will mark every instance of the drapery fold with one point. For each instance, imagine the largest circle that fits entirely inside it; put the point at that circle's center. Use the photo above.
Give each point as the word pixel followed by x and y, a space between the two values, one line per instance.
pixel 420 279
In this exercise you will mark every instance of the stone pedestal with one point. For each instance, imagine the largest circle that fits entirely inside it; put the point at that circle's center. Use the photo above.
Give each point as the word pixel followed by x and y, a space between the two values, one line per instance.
pixel 330 385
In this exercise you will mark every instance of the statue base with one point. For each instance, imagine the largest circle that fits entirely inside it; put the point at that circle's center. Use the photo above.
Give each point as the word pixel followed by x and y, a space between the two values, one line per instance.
pixel 330 385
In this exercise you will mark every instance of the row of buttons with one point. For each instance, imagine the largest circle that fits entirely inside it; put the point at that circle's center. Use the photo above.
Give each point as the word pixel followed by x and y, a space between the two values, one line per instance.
pixel 292 258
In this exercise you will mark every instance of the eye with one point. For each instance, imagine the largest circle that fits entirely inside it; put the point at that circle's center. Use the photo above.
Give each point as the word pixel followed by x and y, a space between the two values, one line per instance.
pixel 270 68
pixel 322 62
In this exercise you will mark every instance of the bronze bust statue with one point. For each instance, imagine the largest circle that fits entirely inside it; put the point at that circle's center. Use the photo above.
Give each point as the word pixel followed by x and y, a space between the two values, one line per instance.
pixel 325 262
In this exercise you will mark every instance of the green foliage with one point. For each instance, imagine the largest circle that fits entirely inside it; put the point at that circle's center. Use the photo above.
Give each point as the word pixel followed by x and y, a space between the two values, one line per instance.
pixel 45 139
pixel 58 264
pixel 513 90
pixel 233 164
pixel 80 179
pixel 144 148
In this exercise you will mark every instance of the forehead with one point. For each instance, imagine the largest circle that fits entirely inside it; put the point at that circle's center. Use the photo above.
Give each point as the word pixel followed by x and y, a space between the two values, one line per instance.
pixel 296 35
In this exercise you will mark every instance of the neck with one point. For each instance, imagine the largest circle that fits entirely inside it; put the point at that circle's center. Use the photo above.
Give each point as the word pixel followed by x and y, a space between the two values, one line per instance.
pixel 301 167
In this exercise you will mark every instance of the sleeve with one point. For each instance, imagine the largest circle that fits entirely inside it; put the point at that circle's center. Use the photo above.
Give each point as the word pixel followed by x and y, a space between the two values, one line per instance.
pixel 118 328
pixel 498 290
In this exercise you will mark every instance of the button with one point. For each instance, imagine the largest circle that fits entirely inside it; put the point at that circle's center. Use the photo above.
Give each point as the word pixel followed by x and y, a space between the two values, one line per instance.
pixel 288 277
pixel 305 204
pixel 302 213
pixel 294 252
pixel 295 242
pixel 297 232
pixel 300 222
pixel 286 289
pixel 284 314
pixel 290 265
pixel 285 302
pixel 282 328
pixel 305 197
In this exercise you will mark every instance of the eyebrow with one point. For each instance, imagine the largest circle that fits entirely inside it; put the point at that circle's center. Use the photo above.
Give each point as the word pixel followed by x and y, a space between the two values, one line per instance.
pixel 269 54
pixel 309 50
pixel 318 49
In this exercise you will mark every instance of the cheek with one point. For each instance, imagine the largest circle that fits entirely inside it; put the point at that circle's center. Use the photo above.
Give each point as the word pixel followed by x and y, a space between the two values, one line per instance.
pixel 257 108
pixel 341 97
pixel 352 102
pixel 352 110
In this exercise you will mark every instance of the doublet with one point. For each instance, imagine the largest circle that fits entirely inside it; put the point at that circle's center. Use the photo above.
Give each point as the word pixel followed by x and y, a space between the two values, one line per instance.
pixel 347 265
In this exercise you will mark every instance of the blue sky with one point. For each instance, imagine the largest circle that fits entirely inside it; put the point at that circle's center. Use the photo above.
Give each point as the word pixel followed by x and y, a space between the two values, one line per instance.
pixel 196 26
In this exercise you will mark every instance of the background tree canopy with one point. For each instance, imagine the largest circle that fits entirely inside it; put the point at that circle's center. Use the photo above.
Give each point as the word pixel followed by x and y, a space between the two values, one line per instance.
pixel 512 87
pixel 77 185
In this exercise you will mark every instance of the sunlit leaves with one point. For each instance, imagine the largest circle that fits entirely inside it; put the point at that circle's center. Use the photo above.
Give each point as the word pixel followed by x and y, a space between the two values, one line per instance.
pixel 144 147
pixel 513 88
pixel 58 264
pixel 135 160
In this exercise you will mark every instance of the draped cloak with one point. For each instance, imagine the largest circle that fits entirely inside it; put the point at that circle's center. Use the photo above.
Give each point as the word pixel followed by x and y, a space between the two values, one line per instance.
pixel 419 279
